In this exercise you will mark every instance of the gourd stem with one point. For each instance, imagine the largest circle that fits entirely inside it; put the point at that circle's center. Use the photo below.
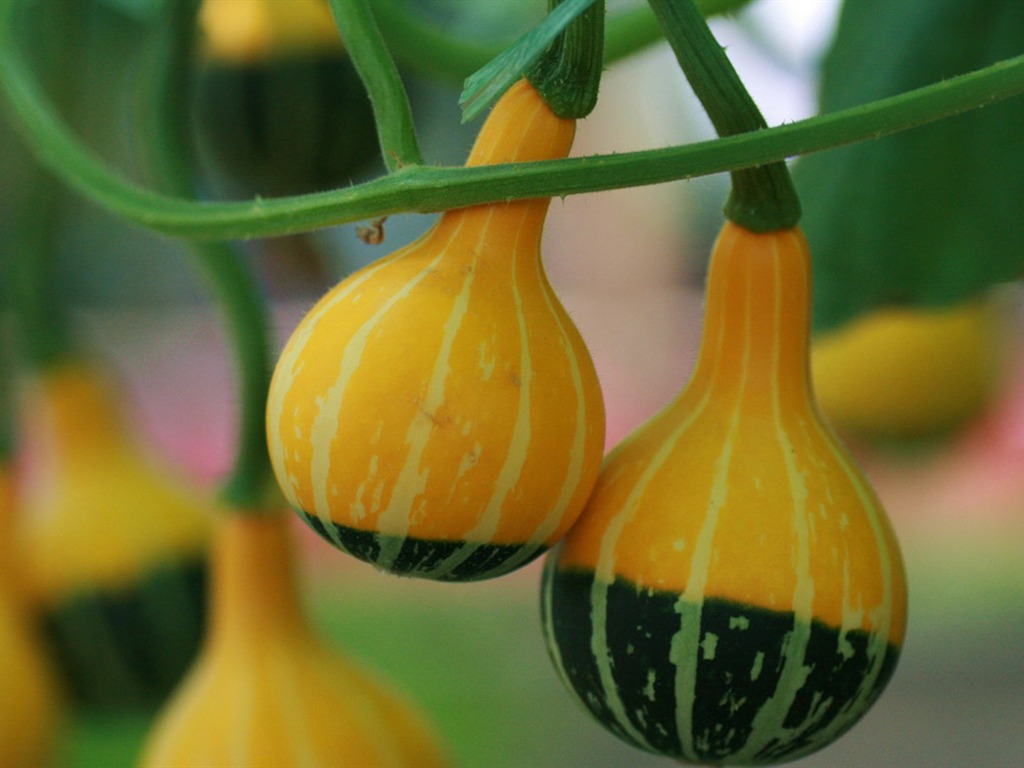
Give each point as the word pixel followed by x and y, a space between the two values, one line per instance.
pixel 362 38
pixel 568 74
pixel 763 198
pixel 239 299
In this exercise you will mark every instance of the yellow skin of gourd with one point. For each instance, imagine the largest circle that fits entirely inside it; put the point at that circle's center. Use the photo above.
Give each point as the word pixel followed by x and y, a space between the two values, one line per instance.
pixel 29 697
pixel 738 489
pixel 255 30
pixel 96 513
pixel 906 373
pixel 443 392
pixel 265 690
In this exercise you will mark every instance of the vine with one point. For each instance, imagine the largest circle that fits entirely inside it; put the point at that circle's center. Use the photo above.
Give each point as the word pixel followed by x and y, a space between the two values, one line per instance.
pixel 425 188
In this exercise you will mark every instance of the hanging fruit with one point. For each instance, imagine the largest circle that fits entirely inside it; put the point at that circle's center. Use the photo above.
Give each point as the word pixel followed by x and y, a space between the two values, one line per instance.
pixel 280 108
pixel 265 690
pixel 910 372
pixel 29 696
pixel 437 413
pixel 733 593
pixel 114 547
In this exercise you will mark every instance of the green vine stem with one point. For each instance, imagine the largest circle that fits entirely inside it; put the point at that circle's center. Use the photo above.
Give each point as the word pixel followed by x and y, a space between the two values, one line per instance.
pixel 763 197
pixel 166 126
pixel 365 45
pixel 568 74
pixel 429 188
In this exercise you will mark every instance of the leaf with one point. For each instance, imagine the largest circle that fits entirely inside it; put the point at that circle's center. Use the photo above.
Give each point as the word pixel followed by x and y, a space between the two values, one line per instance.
pixel 934 215
pixel 494 78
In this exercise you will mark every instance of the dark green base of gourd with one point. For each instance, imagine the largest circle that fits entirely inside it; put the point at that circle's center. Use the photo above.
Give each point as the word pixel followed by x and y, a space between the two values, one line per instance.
pixel 426 558
pixel 129 648
pixel 741 653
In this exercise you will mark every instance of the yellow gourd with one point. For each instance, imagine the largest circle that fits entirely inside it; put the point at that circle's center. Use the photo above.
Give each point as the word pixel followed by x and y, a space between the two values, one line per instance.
pixel 437 413
pixel 733 593
pixel 29 697
pixel 907 372
pixel 114 546
pixel 265 690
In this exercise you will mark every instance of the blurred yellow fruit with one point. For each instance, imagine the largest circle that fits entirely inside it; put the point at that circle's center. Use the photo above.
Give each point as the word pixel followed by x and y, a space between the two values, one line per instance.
pixel 266 690
pixel 909 373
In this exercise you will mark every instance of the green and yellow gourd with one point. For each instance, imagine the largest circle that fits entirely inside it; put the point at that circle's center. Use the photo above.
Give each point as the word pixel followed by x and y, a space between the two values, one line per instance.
pixel 265 690
pixel 437 413
pixel 733 593
pixel 114 546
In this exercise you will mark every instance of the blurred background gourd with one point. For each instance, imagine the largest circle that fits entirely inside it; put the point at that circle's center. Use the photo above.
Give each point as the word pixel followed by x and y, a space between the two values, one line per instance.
pixel 265 690
pixel 114 543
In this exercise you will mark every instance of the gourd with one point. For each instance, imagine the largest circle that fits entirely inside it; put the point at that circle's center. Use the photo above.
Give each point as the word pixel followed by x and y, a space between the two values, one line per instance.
pixel 437 413
pixel 30 705
pixel 910 372
pixel 733 593
pixel 114 546
pixel 280 108
pixel 265 690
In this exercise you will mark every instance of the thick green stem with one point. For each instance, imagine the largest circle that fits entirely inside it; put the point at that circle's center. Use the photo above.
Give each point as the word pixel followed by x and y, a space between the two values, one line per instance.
pixel 238 297
pixel 568 75
pixel 763 198
pixel 427 189
pixel 376 68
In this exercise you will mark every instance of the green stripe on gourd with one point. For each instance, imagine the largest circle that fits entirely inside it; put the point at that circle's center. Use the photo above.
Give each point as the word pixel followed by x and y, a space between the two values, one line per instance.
pixel 733 592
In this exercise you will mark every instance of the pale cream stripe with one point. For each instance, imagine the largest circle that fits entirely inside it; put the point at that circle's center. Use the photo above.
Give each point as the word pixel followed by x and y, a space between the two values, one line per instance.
pixel 326 425
pixel 396 518
pixel 604 573
pixel 574 471
pixel 878 638
pixel 767 724
pixel 684 652
pixel 286 371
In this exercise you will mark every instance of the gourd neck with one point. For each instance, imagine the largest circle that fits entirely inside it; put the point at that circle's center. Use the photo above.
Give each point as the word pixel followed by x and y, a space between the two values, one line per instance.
pixel 757 317
pixel 254 592
pixel 520 128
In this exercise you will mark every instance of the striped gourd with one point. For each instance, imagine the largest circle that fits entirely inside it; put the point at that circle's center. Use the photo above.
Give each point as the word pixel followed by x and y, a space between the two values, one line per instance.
pixel 733 593
pixel 265 690
pixel 437 413
pixel 114 547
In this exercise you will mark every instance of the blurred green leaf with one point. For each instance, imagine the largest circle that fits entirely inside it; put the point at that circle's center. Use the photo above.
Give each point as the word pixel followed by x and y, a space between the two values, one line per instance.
pixel 936 214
